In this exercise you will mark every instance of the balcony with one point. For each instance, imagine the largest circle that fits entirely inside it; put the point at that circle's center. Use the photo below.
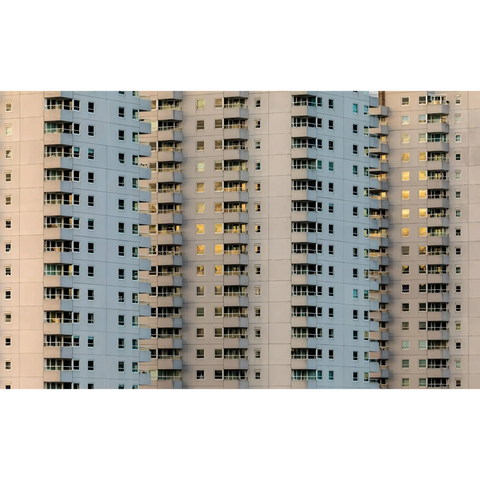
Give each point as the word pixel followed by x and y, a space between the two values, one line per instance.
pixel 235 322
pixel 380 336
pixel 304 216
pixel 64 163
pixel 58 328
pixel 305 342
pixel 438 335
pixel 373 122
pixel 438 147
pixel 438 109
pixel 235 238
pixel 58 115
pixel 381 149
pixel 304 237
pixel 381 129
pixel 235 342
pixel 236 384
pixel 438 372
pixel 170 260
pixel 170 95
pixel 169 239
pixel 382 373
pixel 235 196
pixel 237 94
pixel 58 139
pixel 169 196
pixel 172 363
pixel 58 281
pixel 235 154
pixel 379 316
pixel 438 202
pixel 169 176
pixel 304 279
pixel 171 114
pixel 168 156
pixel 305 300
pixel 57 186
pixel 304 195
pixel 304 364
pixel 171 218
pixel 438 165
pixel 380 355
pixel 438 297
pixel 438 240
pixel 170 342
pixel 304 258
pixel 304 132
pixel 56 376
pixel 381 111
pixel 172 135
pixel 309 153
pixel 443 354
pixel 170 301
pixel 438 184
pixel 438 316
pixel 310 322
pixel 56 209
pixel 235 112
pixel 241 259
pixel 235 217
pixel 240 280
pixel 437 127
pixel 235 363
pixel 235 132
pixel 57 352
pixel 58 94
pixel 437 221
pixel 304 174
pixel 235 175
pixel 173 280
pixel 438 278
pixel 438 259
pixel 169 384
pixel 304 111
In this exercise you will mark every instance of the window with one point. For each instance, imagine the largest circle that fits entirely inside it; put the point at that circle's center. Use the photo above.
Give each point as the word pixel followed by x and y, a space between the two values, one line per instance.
pixel 257 123
pixel 355 108
pixel 405 157
pixel 200 103
pixel 405 345
pixel 258 102
pixel 405 101
pixel 458 156
pixel 405 194
pixel 200 187
pixel 405 119
pixel 405 232
pixel 405 138
pixel 91 294
pixel 330 166
pixel 458 194
pixel 458 138
pixel 200 332
pixel 257 143
pixel 458 99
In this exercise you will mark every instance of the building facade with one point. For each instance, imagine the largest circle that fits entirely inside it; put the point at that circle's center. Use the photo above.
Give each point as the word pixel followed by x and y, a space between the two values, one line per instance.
pixel 265 262
pixel 70 253
pixel 433 150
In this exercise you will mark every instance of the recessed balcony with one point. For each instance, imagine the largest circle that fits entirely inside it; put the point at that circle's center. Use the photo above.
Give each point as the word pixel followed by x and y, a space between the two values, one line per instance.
pixel 308 153
pixel 235 196
pixel 304 342
pixel 304 111
pixel 308 195
pixel 381 111
pixel 235 322
pixel 169 239
pixel 438 335
pixel 169 176
pixel 233 280
pixel 241 259
pixel 170 260
pixel 235 175
pixel 309 322
pixel 443 354
pixel 438 109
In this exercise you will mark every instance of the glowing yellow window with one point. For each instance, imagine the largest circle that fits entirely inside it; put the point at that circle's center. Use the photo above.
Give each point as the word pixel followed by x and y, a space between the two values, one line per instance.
pixel 218 228
pixel 405 194
pixel 405 232
pixel 200 270
pixel 218 207
pixel 405 138
pixel 422 250
pixel 422 175
pixel 218 269
pixel 219 249
pixel 422 212
pixel 405 213
pixel 422 156
pixel 200 207
pixel 422 194
pixel 405 157
pixel 422 231
pixel 200 228
pixel 200 249
pixel 405 176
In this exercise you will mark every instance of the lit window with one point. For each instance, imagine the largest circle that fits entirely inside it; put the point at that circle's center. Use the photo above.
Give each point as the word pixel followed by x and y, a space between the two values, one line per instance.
pixel 405 232
pixel 405 194
pixel 405 119
pixel 405 157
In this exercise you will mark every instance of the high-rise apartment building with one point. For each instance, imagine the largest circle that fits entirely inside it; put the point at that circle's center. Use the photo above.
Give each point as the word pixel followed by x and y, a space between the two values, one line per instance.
pixel 70 250
pixel 432 144
pixel 265 263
